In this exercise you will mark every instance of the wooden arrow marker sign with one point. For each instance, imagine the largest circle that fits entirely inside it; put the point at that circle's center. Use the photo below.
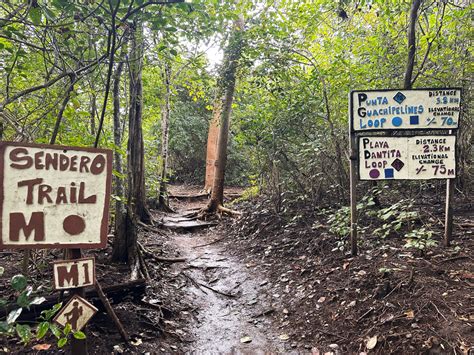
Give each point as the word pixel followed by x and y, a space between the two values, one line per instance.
pixel 77 313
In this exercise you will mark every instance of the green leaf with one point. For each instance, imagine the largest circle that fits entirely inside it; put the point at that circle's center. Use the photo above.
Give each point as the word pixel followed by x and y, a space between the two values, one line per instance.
pixel 79 335
pixel 67 329
pixel 24 332
pixel 3 302
pixel 38 300
pixel 42 329
pixel 55 330
pixel 19 282
pixel 173 52
pixel 50 15
pixel 13 315
pixel 62 342
pixel 35 15
pixel 48 314
pixel 23 300
pixel 5 327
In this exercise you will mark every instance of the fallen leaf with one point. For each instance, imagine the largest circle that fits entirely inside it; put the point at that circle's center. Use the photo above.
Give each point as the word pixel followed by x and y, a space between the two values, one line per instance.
pixel 40 347
pixel 410 314
pixel 321 299
pixel 284 337
pixel 136 342
pixel 362 273
pixel 345 265
pixel 246 340
pixel 371 342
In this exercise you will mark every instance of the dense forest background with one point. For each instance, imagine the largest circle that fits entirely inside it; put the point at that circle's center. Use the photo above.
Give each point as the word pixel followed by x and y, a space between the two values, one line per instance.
pixel 69 69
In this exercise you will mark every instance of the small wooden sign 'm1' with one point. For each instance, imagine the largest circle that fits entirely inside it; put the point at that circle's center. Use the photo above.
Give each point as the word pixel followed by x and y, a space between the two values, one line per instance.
pixel 74 273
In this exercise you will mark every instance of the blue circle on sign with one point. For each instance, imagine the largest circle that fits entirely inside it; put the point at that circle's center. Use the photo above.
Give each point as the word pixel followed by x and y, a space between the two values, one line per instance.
pixel 397 121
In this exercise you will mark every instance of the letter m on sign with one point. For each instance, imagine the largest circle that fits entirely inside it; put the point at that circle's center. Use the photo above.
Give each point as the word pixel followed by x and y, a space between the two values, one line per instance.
pixel 18 223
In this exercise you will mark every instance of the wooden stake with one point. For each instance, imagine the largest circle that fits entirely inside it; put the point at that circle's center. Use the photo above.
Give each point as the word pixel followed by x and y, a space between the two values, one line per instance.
pixel 448 224
pixel 353 186
pixel 78 346
pixel 111 312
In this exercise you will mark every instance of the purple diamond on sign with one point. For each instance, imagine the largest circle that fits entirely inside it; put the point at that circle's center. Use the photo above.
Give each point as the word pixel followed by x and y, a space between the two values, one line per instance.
pixel 399 97
pixel 398 164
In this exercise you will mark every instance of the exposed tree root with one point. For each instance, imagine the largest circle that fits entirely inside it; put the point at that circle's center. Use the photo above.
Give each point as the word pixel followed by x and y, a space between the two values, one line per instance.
pixel 225 210
pixel 150 254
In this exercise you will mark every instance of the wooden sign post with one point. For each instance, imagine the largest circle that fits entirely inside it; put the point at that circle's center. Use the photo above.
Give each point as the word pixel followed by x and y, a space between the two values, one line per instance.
pixel 405 156
pixel 56 197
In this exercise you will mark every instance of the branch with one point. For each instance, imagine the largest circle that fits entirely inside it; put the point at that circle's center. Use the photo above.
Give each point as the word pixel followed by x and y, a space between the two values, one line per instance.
pixel 50 82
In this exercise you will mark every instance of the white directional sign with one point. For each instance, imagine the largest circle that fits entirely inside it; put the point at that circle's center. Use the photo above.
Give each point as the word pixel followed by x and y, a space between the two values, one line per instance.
pixel 411 158
pixel 53 196
pixel 405 109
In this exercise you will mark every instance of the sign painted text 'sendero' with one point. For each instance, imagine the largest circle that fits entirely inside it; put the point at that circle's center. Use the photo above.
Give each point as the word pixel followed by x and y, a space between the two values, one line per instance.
pixel 411 158
pixel 53 196
pixel 405 109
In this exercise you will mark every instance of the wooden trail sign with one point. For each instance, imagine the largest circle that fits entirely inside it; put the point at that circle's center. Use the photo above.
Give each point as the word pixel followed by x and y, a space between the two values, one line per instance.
pixel 77 312
pixel 401 156
pixel 54 196
pixel 405 109
pixel 74 273
pixel 407 158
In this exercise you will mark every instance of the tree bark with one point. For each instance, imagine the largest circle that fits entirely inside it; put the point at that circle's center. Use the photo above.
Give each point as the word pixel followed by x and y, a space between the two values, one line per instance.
pixel 119 252
pixel 135 149
pixel 211 153
pixel 411 44
pixel 224 107
pixel 165 124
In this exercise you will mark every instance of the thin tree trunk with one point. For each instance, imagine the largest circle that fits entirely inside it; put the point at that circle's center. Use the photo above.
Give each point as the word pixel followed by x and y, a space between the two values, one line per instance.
pixel 93 105
pixel 227 82
pixel 135 150
pixel 61 111
pixel 165 118
pixel 411 44
pixel 119 250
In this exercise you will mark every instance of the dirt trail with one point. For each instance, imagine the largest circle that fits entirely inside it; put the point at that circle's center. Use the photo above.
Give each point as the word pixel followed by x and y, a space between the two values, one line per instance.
pixel 230 302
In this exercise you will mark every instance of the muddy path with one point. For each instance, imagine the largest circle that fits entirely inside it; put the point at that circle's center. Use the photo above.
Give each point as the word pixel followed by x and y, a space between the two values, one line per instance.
pixel 230 304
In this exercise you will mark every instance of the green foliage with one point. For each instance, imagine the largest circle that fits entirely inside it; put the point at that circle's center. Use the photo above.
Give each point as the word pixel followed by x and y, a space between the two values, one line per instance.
pixel 394 217
pixel 25 299
pixel 420 239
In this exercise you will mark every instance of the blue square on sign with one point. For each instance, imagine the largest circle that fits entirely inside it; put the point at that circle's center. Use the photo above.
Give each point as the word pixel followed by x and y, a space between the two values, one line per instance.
pixel 414 119
pixel 389 173
pixel 399 97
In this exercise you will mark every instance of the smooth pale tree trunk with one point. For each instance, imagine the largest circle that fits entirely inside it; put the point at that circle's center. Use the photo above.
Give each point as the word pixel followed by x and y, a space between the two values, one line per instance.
pixel 165 127
pixel 415 6
pixel 211 153
pixel 226 85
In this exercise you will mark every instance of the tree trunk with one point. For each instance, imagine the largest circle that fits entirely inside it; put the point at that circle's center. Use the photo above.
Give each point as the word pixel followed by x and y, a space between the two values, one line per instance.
pixel 119 250
pixel 411 44
pixel 135 150
pixel 125 244
pixel 165 125
pixel 212 147
pixel 93 105
pixel 227 83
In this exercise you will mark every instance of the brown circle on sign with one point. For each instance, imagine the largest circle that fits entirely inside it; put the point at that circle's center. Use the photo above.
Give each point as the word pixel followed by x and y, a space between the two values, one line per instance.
pixel 74 224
